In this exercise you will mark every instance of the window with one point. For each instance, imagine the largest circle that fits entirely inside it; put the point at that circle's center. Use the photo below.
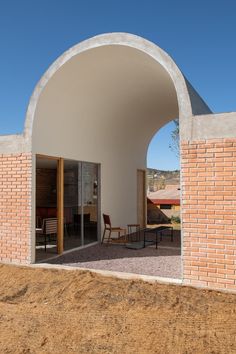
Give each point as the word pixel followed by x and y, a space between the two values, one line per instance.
pixel 165 206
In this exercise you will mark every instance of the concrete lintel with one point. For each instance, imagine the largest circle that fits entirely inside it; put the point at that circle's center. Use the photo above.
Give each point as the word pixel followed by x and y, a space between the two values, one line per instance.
pixel 210 126
pixel 14 144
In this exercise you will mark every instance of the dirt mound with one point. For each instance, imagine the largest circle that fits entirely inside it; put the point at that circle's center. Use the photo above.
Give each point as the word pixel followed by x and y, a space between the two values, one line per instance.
pixel 63 312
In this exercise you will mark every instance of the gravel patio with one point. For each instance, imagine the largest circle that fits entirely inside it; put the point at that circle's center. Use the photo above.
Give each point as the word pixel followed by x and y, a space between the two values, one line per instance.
pixel 164 261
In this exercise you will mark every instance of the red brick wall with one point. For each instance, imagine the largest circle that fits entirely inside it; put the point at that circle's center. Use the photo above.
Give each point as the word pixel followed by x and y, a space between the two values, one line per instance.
pixel 209 213
pixel 15 207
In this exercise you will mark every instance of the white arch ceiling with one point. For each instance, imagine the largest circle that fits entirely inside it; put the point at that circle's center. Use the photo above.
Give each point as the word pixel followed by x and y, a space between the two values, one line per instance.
pixel 116 72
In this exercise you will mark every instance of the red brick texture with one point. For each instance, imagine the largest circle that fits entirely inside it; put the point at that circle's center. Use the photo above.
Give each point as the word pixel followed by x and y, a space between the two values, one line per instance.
pixel 15 207
pixel 209 213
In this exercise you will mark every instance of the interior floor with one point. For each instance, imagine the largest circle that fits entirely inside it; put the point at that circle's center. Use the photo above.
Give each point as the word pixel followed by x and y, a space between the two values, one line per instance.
pixel 71 240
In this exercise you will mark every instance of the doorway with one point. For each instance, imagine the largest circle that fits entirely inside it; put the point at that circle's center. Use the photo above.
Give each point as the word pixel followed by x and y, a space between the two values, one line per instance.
pixel 67 205
pixel 81 203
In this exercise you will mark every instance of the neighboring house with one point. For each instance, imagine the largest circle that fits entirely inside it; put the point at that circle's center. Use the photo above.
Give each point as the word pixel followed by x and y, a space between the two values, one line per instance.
pixel 90 119
pixel 167 200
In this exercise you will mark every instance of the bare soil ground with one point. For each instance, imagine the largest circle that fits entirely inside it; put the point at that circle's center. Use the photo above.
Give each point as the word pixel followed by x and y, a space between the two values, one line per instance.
pixel 57 311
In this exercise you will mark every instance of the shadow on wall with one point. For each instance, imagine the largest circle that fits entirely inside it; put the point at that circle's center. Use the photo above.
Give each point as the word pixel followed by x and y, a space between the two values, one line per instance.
pixel 155 215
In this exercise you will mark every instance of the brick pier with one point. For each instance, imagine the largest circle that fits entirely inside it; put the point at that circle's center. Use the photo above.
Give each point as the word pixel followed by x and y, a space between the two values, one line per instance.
pixel 15 207
pixel 209 213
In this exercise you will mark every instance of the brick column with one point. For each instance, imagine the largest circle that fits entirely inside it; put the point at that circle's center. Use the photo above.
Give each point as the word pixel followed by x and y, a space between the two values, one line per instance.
pixel 15 207
pixel 209 212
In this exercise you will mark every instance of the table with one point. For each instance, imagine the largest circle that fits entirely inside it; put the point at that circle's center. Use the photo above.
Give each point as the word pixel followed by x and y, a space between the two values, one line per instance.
pixel 157 231
pixel 137 229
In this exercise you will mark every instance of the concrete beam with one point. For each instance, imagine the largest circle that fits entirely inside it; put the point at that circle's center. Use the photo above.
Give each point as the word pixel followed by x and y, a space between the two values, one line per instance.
pixel 14 144
pixel 210 126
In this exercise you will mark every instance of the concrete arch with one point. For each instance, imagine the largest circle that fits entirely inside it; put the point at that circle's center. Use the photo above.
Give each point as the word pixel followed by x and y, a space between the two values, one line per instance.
pixel 101 102
pixel 189 102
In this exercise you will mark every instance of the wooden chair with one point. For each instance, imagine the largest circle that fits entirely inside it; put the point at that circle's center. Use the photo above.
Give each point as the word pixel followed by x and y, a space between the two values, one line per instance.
pixel 49 228
pixel 108 227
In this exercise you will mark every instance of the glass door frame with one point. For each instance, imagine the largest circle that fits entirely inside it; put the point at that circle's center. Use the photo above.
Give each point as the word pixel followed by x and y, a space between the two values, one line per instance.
pixel 60 200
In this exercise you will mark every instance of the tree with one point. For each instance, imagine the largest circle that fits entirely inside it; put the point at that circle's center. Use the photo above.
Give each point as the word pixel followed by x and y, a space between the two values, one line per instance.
pixel 174 146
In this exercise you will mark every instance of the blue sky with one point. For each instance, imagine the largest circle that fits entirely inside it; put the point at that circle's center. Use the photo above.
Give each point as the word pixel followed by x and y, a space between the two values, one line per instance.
pixel 199 35
pixel 159 155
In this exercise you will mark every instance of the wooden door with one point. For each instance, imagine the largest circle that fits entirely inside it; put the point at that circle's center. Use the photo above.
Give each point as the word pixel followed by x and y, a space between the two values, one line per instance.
pixel 141 198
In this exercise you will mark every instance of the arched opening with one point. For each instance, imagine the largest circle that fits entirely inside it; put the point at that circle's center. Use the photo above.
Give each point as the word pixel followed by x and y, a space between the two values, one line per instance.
pixel 102 106
pixel 164 192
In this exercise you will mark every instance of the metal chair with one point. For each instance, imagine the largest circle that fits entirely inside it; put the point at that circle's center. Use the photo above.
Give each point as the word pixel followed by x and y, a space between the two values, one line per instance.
pixel 108 227
pixel 49 228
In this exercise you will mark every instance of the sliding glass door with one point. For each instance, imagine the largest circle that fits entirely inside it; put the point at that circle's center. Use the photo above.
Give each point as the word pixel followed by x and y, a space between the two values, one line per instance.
pixel 81 200
pixel 72 204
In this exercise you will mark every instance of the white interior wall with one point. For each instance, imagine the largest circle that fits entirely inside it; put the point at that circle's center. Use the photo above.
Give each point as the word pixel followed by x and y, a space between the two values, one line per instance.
pixel 103 106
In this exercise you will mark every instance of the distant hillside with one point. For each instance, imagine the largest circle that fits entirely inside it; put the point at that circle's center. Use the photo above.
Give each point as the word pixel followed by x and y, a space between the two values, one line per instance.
pixel 159 179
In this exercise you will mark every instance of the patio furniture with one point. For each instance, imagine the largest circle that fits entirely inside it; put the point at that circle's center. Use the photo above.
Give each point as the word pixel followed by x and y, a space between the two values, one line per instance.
pixel 134 229
pixel 39 222
pixel 49 228
pixel 156 231
pixel 135 245
pixel 171 232
pixel 110 229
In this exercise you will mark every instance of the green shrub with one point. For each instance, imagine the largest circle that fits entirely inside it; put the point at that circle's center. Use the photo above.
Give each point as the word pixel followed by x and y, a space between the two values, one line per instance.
pixel 175 219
